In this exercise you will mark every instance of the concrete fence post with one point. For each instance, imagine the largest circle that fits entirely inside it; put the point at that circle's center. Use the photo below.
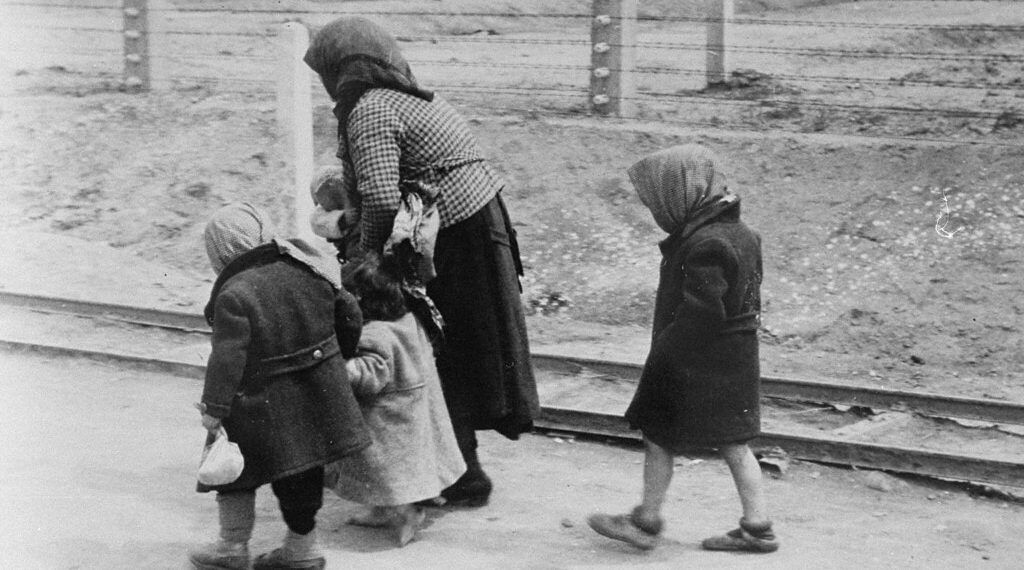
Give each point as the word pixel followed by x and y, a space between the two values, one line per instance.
pixel 613 57
pixel 295 118
pixel 136 45
pixel 720 15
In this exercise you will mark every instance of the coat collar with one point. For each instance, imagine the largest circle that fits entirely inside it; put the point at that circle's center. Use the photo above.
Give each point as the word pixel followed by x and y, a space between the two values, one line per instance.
pixel 260 255
pixel 726 212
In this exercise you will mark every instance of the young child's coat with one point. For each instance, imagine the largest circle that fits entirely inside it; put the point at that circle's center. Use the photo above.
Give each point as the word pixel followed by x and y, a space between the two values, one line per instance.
pixel 276 373
pixel 414 455
pixel 701 381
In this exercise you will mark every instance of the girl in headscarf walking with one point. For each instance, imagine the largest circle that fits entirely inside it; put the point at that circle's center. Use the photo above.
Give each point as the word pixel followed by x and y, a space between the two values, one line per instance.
pixel 395 138
pixel 700 385
pixel 275 381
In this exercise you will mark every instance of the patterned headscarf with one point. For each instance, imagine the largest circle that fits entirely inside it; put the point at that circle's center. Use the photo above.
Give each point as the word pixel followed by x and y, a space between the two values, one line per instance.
pixel 682 186
pixel 353 55
pixel 234 230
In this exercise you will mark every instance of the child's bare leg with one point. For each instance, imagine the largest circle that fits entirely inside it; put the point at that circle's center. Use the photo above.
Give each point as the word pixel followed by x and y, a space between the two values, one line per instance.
pixel 642 526
pixel 657 477
pixel 755 531
pixel 746 474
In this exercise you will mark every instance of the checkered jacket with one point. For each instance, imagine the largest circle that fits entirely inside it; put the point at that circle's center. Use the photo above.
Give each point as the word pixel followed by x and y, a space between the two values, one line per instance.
pixel 398 142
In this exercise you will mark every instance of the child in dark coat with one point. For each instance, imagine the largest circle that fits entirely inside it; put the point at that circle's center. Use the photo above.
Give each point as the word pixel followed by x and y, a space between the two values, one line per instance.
pixel 700 386
pixel 282 325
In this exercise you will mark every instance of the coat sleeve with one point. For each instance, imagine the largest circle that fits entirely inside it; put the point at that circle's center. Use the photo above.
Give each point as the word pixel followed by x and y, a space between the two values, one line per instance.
pixel 373 367
pixel 230 347
pixel 348 322
pixel 706 270
pixel 374 135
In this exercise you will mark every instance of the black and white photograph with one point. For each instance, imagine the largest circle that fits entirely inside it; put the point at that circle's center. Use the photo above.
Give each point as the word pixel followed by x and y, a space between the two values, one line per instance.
pixel 511 284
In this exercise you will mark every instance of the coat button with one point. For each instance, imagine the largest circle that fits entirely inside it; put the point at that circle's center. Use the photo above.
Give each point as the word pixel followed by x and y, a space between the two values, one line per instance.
pixel 318 354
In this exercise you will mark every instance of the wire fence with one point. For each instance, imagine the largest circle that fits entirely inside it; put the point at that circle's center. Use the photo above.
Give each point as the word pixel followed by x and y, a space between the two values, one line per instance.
pixel 910 75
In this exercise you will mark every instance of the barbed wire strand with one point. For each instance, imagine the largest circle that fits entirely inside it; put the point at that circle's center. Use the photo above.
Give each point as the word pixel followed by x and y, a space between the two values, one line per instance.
pixel 654 96
pixel 810 52
pixel 187 83
pixel 844 80
pixel 1010 28
pixel 721 126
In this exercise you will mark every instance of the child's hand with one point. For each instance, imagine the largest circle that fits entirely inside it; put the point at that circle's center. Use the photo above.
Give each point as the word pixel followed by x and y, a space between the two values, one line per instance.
pixel 211 423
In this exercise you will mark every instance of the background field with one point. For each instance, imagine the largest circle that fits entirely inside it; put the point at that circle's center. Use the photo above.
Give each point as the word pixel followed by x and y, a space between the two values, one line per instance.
pixel 877 147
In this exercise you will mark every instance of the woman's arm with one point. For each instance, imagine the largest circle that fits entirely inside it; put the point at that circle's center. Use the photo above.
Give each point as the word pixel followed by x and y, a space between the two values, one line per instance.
pixel 374 135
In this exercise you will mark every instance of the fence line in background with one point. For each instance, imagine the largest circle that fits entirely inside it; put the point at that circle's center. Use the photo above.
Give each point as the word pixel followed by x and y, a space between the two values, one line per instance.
pixel 566 15
pixel 612 72
pixel 136 44
pixel 613 57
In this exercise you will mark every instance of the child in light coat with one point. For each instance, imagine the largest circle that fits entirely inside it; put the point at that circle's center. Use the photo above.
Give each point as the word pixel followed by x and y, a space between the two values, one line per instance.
pixel 414 455
pixel 700 386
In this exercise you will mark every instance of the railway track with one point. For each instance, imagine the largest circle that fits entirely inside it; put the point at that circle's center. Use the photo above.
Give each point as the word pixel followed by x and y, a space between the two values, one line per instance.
pixel 859 426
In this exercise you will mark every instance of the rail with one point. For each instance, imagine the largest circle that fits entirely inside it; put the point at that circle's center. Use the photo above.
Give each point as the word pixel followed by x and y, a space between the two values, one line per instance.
pixel 823 448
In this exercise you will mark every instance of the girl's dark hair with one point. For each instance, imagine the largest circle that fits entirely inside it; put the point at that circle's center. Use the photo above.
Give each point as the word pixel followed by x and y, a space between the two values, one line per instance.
pixel 375 283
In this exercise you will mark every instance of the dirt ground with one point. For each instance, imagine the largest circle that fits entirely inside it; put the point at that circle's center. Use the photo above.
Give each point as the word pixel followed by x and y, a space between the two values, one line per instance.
pixel 111 486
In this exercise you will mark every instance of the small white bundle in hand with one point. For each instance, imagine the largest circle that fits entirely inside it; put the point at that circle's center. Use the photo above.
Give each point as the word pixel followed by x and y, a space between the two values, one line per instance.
pixel 222 461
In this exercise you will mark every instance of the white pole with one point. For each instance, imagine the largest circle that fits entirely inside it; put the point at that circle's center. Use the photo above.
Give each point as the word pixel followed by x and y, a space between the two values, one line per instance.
pixel 295 116
pixel 720 14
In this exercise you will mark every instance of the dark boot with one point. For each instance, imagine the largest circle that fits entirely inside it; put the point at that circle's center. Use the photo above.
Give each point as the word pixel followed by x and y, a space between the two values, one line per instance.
pixel 473 489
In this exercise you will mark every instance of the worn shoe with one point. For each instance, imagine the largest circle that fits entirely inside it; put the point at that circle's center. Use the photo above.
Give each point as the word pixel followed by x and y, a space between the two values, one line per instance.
pixel 278 559
pixel 221 555
pixel 372 517
pixel 473 489
pixel 406 521
pixel 628 528
pixel 747 538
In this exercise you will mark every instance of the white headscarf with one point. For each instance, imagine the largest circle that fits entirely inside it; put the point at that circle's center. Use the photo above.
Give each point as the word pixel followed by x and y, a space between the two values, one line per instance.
pixel 234 230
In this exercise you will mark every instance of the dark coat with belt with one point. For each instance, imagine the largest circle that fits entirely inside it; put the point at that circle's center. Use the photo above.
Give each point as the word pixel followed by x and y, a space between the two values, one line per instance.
pixel 701 382
pixel 276 373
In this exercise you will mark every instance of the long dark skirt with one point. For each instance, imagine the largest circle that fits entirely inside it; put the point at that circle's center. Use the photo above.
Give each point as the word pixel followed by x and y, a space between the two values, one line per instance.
pixel 484 360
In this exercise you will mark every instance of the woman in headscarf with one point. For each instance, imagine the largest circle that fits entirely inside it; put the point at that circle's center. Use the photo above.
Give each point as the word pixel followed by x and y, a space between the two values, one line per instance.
pixel 275 382
pixel 394 137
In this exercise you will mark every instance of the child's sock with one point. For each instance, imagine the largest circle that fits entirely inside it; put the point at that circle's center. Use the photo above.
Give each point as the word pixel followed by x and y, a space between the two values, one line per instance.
pixel 749 537
pixel 762 530
pixel 301 546
pixel 651 524
pixel 237 514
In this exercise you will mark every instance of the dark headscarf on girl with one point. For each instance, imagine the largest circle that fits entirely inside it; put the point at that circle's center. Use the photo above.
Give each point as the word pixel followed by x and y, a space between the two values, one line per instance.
pixel 683 187
pixel 353 55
